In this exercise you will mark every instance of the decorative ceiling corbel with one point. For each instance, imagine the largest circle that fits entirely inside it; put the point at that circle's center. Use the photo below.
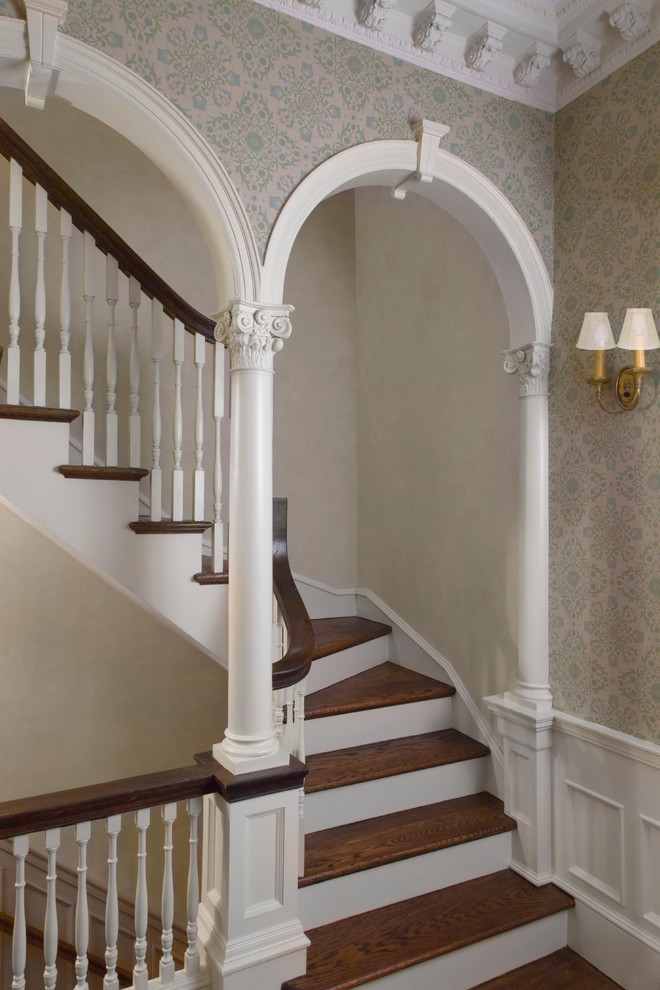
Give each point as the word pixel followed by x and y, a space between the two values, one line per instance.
pixel 631 20
pixel 43 18
pixel 433 24
pixel 428 134
pixel 582 52
pixel 485 44
pixel 531 64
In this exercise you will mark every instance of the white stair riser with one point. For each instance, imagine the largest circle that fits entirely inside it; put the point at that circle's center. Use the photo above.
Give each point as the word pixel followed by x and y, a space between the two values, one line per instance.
pixel 323 735
pixel 342 897
pixel 468 967
pixel 338 666
pixel 341 805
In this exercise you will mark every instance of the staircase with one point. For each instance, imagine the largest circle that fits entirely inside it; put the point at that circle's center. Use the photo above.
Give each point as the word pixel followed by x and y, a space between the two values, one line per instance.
pixel 400 895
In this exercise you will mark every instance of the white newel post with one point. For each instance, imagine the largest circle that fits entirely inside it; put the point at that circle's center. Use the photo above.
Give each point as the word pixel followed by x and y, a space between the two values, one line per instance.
pixel 252 334
pixel 524 715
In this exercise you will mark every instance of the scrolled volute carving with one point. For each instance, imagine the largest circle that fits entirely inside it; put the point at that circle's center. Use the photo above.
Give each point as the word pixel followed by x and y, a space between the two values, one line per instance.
pixel 532 365
pixel 253 334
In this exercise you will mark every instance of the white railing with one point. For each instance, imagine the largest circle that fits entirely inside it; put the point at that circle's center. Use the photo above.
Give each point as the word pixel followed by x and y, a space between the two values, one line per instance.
pixel 104 325
pixel 101 945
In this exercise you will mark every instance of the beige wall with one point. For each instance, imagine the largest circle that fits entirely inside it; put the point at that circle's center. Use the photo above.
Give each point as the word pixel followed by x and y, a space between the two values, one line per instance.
pixel 93 686
pixel 315 444
pixel 437 436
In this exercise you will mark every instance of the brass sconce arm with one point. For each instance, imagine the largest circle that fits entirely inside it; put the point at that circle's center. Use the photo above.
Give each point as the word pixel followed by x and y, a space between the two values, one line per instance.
pixel 627 388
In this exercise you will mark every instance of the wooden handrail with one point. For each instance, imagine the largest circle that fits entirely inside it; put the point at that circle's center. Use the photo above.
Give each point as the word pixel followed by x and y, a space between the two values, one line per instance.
pixel 81 804
pixel 295 664
pixel 61 195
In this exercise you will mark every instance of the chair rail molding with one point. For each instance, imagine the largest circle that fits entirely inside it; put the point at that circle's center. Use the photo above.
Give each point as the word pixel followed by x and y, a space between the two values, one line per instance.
pixel 104 88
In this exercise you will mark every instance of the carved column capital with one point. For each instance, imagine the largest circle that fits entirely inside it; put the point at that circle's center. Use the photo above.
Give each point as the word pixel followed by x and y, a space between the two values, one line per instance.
pixel 532 365
pixel 253 333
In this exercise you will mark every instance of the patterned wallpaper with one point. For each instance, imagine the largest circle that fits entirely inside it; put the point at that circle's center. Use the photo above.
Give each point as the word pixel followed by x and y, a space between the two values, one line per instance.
pixel 275 97
pixel 605 470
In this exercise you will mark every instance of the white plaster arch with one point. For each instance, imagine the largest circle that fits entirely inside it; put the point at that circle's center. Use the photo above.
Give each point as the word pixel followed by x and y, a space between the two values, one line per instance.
pixel 101 86
pixel 456 187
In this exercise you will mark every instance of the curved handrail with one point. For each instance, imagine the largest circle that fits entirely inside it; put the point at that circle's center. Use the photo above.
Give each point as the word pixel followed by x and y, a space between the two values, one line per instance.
pixel 62 196
pixel 295 664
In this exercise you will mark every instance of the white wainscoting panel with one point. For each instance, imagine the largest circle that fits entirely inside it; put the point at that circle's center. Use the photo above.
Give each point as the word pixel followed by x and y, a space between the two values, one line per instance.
pixel 606 820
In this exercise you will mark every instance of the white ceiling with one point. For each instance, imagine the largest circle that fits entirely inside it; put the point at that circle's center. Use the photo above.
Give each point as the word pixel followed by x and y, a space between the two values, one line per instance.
pixel 540 52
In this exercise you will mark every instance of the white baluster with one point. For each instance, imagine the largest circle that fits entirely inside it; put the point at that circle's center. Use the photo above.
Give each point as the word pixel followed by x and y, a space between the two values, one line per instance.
pixel 41 227
pixel 192 955
pixel 15 226
pixel 19 940
pixel 289 714
pixel 88 355
pixel 156 501
pixel 82 833
pixel 65 313
pixel 278 704
pixel 198 476
pixel 178 341
pixel 112 294
pixel 140 973
pixel 166 970
pixel 111 980
pixel 217 536
pixel 299 752
pixel 50 926
pixel 134 299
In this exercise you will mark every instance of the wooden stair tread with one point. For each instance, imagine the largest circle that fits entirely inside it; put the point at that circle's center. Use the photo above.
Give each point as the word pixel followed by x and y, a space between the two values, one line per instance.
pixel 562 970
pixel 208 576
pixel 93 472
pixel 334 635
pixel 379 687
pixel 43 414
pixel 389 758
pixel 369 946
pixel 145 525
pixel 337 852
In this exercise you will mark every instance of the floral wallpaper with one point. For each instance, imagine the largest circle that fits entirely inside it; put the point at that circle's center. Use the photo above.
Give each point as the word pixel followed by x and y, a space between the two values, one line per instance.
pixel 275 97
pixel 605 470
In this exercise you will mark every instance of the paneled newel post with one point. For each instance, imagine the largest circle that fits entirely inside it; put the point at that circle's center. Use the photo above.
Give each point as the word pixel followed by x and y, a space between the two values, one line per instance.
pixel 524 716
pixel 252 334
pixel 248 918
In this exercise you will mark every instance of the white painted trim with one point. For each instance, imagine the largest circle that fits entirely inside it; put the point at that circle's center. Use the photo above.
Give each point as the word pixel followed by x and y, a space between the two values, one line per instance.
pixel 457 187
pixel 99 572
pixel 578 871
pixel 606 912
pixel 101 86
pixel 485 731
pixel 615 742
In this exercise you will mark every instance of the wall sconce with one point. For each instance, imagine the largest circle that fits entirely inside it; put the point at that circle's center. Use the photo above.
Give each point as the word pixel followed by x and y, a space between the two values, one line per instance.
pixel 638 335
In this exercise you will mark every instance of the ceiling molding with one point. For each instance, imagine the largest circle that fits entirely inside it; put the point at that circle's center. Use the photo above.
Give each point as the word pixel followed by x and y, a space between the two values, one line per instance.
pixel 512 48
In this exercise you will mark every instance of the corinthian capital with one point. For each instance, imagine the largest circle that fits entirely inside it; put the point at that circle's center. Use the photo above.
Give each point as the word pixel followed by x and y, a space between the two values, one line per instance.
pixel 532 364
pixel 252 333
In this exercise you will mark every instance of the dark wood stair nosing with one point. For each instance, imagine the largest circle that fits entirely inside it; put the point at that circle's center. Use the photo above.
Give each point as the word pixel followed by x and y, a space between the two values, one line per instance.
pixel 42 414
pixel 365 845
pixel 148 526
pixel 97 472
pixel 369 946
pixel 560 970
pixel 375 761
pixel 383 686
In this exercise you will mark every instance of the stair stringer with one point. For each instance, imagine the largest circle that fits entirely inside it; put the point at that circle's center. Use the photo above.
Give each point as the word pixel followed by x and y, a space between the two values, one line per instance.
pixel 91 519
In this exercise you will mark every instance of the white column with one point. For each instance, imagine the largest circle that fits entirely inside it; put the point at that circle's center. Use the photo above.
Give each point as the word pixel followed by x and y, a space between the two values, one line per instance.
pixel 524 715
pixel 531 363
pixel 252 334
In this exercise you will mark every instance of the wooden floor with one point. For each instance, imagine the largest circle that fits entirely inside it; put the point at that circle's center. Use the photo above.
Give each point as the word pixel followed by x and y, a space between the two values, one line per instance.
pixel 563 970
pixel 370 946
pixel 386 759
pixel 379 687
pixel 336 852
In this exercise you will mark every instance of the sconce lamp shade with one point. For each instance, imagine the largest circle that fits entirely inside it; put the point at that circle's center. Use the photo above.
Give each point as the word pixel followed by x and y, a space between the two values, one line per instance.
pixel 596 333
pixel 639 332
